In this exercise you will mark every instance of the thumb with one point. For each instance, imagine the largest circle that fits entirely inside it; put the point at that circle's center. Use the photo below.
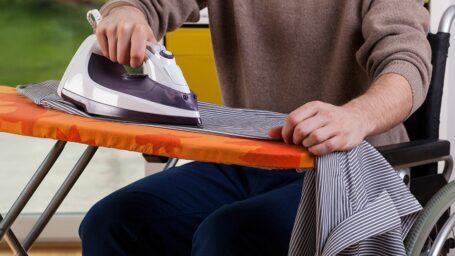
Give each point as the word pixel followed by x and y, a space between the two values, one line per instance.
pixel 275 132
pixel 151 36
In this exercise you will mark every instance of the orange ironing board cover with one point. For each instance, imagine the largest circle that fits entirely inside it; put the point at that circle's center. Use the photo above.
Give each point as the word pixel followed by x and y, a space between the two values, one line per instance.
pixel 19 115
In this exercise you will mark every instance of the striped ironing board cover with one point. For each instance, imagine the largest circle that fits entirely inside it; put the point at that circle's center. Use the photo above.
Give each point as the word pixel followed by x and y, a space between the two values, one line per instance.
pixel 19 115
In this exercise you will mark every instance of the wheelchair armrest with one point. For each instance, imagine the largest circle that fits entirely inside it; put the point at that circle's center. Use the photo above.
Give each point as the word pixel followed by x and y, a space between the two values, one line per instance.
pixel 415 151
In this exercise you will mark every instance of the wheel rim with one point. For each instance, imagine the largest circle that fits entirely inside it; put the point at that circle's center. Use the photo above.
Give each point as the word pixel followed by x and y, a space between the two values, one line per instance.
pixel 440 243
pixel 416 241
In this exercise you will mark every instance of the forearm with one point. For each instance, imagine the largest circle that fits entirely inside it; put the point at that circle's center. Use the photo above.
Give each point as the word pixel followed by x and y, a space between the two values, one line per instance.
pixel 162 15
pixel 394 33
pixel 387 103
pixel 112 4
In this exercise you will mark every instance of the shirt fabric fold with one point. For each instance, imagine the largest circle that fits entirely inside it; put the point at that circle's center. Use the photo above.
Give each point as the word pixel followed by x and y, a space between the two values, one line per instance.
pixel 353 203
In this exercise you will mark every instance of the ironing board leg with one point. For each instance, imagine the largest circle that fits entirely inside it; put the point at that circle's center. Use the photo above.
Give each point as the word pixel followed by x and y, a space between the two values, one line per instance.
pixel 13 242
pixel 31 187
pixel 171 162
pixel 59 196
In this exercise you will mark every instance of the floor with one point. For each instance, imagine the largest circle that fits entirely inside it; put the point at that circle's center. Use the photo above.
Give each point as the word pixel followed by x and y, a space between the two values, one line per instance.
pixel 71 249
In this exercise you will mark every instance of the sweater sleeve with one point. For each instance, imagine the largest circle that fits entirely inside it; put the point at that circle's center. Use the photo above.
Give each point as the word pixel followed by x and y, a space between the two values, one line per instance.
pixel 162 15
pixel 395 41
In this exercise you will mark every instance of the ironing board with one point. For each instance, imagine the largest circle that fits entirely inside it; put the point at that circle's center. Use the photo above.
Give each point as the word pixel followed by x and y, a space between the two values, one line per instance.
pixel 20 116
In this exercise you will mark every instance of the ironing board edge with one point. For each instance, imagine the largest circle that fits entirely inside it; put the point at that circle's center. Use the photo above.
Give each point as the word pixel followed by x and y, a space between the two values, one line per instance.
pixel 260 158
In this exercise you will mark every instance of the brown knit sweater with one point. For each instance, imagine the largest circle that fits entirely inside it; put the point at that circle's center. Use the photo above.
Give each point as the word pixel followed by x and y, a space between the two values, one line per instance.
pixel 278 55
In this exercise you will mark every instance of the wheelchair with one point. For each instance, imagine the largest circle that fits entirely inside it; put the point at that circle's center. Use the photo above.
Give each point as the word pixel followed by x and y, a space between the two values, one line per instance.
pixel 433 233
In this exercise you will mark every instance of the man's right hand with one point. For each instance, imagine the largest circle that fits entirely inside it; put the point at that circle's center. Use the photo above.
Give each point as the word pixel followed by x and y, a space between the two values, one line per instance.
pixel 123 34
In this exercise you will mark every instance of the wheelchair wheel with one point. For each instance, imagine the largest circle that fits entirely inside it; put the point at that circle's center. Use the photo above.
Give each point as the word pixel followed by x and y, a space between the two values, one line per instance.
pixel 433 231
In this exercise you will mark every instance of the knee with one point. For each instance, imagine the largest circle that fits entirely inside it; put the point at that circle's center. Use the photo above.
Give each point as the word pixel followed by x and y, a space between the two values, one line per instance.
pixel 219 233
pixel 105 217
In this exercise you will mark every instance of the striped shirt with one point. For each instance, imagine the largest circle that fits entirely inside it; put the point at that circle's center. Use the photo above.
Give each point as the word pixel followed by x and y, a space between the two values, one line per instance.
pixel 353 203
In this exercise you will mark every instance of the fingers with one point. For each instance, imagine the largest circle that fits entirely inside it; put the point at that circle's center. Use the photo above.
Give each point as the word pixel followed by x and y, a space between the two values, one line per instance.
pixel 323 128
pixel 111 33
pixel 275 132
pixel 150 36
pixel 319 136
pixel 308 110
pixel 125 43
pixel 327 146
pixel 304 128
pixel 138 44
pixel 102 41
pixel 124 32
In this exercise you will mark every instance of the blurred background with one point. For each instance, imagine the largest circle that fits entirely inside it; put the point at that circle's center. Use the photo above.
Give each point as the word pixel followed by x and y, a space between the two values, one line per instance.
pixel 39 37
pixel 37 40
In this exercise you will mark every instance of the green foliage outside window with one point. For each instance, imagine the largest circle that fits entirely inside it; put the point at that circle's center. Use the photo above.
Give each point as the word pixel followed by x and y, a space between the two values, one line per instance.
pixel 39 37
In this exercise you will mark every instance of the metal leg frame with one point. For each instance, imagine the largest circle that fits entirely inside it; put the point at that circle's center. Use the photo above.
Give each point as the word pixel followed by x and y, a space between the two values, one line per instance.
pixel 13 242
pixel 171 163
pixel 30 188
pixel 59 196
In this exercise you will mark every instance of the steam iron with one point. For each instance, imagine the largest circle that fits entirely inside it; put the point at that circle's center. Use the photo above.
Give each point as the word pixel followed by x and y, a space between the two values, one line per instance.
pixel 104 88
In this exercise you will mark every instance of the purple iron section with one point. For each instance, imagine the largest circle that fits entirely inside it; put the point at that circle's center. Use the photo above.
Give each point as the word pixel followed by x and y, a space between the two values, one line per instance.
pixel 113 76
pixel 103 110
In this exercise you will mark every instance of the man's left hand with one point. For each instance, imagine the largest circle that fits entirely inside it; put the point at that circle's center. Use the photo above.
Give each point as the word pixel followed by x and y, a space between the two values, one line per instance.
pixel 323 128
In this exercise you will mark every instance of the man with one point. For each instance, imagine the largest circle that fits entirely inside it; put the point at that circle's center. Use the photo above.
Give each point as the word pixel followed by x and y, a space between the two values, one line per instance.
pixel 343 70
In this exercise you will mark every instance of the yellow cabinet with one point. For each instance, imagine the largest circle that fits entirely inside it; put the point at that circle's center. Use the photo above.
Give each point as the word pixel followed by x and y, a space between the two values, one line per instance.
pixel 193 52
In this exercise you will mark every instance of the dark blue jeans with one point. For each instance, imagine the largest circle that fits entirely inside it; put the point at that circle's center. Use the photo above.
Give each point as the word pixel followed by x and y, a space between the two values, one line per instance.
pixel 197 209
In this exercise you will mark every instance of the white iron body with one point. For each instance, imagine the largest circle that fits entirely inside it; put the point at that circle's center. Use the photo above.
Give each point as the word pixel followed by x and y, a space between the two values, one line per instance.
pixel 104 88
